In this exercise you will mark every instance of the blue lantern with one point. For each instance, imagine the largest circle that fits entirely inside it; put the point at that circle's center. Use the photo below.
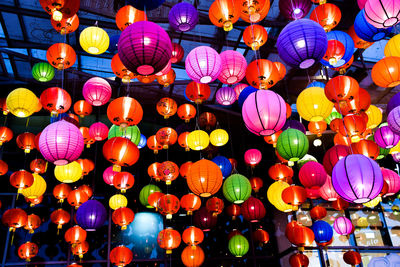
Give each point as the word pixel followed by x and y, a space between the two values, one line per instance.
pixel 323 232
pixel 142 142
pixel 245 93
pixel 366 31
pixel 224 164
pixel 348 43
pixel 113 47
pixel 145 5
pixel 316 84
pixel 91 215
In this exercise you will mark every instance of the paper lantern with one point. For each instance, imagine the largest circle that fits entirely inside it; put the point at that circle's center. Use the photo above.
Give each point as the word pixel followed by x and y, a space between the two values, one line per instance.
pixel 273 138
pixel 254 11
pixel 317 127
pixel 186 112
pixel 292 144
pixel 166 107
pixel 203 64
pixel 366 31
pixel 386 72
pixel 343 226
pixel 21 179
pixel 26 141
pixel 294 10
pixel 253 209
pixel 224 164
pixel 313 105
pixel 37 188
pixel 27 251
pixel 98 131
pixel 197 92
pixel 168 205
pixel 233 67
pixel 334 52
pixel 131 132
pixel 66 25
pixel 82 108
pixel 77 197
pixel 22 102
pixel 169 239
pixel 327 15
pixel 123 217
pixel 75 235
pixel 80 249
pixel 252 157
pixel 55 100
pixel 299 235
pixel 144 48
pixel 91 215
pixel 5 134
pixel 166 136
pixel 198 140
pixel 262 74
pixel 238 246
pixel 4 168
pixel 61 56
pixel 348 43
pixel 125 111
pixel 33 222
pixel 358 42
pixel 123 181
pixel 177 53
pixel 391 47
pixel 183 17
pixel 94 40
pixel 153 199
pixel 60 217
pixel 280 172
pixel 385 137
pixel 207 120
pixel 153 144
pixel 3 106
pixel 298 259
pixel 97 91
pixel 192 256
pixel 87 165
pixel 322 231
pixel 367 148
pixel 192 236
pixel 374 116
pixel 43 72
pixel 294 195
pixel 255 36
pixel 121 256
pixel 333 155
pixel 14 218
pixel 183 142
pixel 120 70
pixel 168 171
pixel 166 79
pixel 312 175
pixel 236 188
pixel 117 201
pixel 327 191
pixel 341 88
pixel 128 15
pixel 60 10
pixel 190 202
pixel 225 96
pixel 204 178
pixel 382 13
pixel 142 142
pixel 318 213
pixel 274 194
pixel 264 112
pixel 224 13
pixel 302 43
pixel 393 181
pixel 352 257
pixel 61 192
pixel 121 152
pixel 353 126
pixel 184 169
pixel 282 72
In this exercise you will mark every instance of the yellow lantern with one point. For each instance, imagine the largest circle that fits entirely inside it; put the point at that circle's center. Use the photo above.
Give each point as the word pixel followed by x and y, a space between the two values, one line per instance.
pixel 219 137
pixel 274 195
pixel 392 47
pixel 36 189
pixel 22 102
pixel 373 202
pixel 395 149
pixel 68 173
pixel 118 201
pixel 313 105
pixel 374 116
pixel 94 40
pixel 198 140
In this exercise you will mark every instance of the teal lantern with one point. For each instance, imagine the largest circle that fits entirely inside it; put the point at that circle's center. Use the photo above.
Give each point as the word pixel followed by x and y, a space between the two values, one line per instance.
pixel 292 145
pixel 43 72
pixel 146 192
pixel 332 116
pixel 130 132
pixel 236 188
pixel 238 246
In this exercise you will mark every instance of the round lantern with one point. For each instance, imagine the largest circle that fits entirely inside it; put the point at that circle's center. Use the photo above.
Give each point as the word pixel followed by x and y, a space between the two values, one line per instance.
pixel 348 43
pixel 366 31
pixel 357 178
pixel 224 13
pixel 264 112
pixel 358 42
pixel 14 218
pixel 280 172
pixel 312 175
pixel 108 175
pixel 294 195
pixel 273 138
pixel 91 215
pixel 233 67
pixel 184 169
pixel 385 137
pixel 236 188
pixel 313 105
pixel 75 235
pixel 77 197
pixel 33 222
pixel 335 52
pixel 327 15
pixel 169 239
pixel 386 72
pixel 146 192
pixel 327 191
pixel 204 178
pixel 22 102
pixel 183 142
pixel 382 13
pixel 198 140
pixel 238 89
pixel 261 236
pixel 128 15
pixel 153 199
pixel 61 56
pixel 168 171
pixel 121 152
pixel 26 141
pixel 82 108
pixel 215 205
pixel 192 236
pixel 292 144
pixel 197 92
pixel 98 131
pixel 43 72
pixel 352 257
pixel 5 135
pixel 343 226
pixel 274 195
pixel 333 155
pixel 353 126
pixel 153 144
pixel 28 250
pixel 61 192
pixel 225 96
pixel 255 36
pixel 192 256
pixel 177 53
pixel 80 249
pixel 367 148
pixel 60 217
pixel 38 166
pixel 374 116
pixel 262 74
pixel 299 235
pixel 166 136
pixel 318 213
pixel 120 70
pixel 299 260
pixel 167 107
pixel 391 48
pixel 66 25
pixel 203 64
pixel 21 180
pixel 117 201
pixel 121 256
pixel 37 189
pixel 123 217
pixel 252 157
pixel 142 142
pixel 4 168
pixel 144 48
pixel 253 209
pixel 183 17
pixel 186 112
pixel 207 120
pixel 55 100
pixel 131 132
pixel 68 173
pixel 123 181
pixel 224 164
pixel 94 40
pixel 254 11
pixel 341 88
pixel 322 231
pixel 393 181
pixel 238 246
pixel 190 202
pixel 97 91
pixel 294 9
pixel 302 43
pixel 167 79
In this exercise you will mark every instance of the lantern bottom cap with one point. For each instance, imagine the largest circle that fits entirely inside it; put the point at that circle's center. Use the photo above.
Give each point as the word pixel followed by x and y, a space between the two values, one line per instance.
pixel 184 27
pixel 205 194
pixel 390 22
pixel 267 132
pixel 317 118
pixel 60 162
pixel 394 84
pixel 93 50
pixel 97 103
pixel 145 70
pixel 362 200
pixel 205 79
pixel 305 64
pixel 238 201
pixel 232 79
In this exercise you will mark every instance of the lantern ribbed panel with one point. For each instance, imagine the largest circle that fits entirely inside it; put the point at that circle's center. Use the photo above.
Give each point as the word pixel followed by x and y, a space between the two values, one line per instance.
pixel 393 181
pixel 386 72
pixel 292 144
pixel 263 112
pixel 91 215
pixel 94 40
pixel 253 209
pixel 204 178
pixel 183 17
pixel 61 142
pixel 295 9
pixel 43 72
pixel 302 43
pixel 385 137
pixel 392 47
pixel 203 64
pixel 357 178
pixel 313 105
pixel 238 246
pixel 393 120
pixel 198 140
pixel 144 48
pixel 225 96
pixel 233 67
pixel 327 191
pixel 97 91
pixel 22 102
pixel 382 13
pixel 37 189
pixel 348 43
pixel 98 131
pixel 366 31
pixel 68 173
pixel 236 188
pixel 343 226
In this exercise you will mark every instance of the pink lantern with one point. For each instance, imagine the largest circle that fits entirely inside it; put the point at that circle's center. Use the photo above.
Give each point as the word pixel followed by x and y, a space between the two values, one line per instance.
pixel 98 131
pixel 393 181
pixel 61 142
pixel 225 96
pixel 239 88
pixel 343 226
pixel 327 191
pixel 382 13
pixel 312 175
pixel 252 157
pixel 361 3
pixel 203 64
pixel 233 67
pixel 108 175
pixel 264 112
pixel 96 91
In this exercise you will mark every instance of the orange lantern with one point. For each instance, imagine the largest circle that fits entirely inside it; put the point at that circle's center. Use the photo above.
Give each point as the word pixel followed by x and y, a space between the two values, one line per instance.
pixel 87 139
pixel 261 236
pixel 205 178
pixel 167 79
pixel 61 192
pixel 317 127
pixel 5 135
pixel 318 213
pixel 60 217
pixel 153 198
pixel 342 69
pixel 26 141
pixel 192 236
pixel 341 88
pixel 66 25
pixel 190 202
pixel 282 72
pixel 224 13
pixel 123 217
pixel 152 171
pixel 121 256
pixel 80 249
pixel 273 138
pixel 123 181
pixel 294 195
pixel 327 15
pixel 233 211
pixel 60 9
pixel 358 104
pixel 87 189
pixel 256 183
pixel 166 107
pixel 168 205
pixel 55 100
pixel 335 124
pixel 125 111
pixel 82 108
pixel 184 169
pixel 183 142
pixel 207 120
pixel 87 165
pixel 197 92
pixel 340 139
pixel 61 56
pixel 186 112
pixel 128 15
pixel 367 148
pixel 75 235
pixel 334 52
pixel 21 180
pixel 253 11
pixel 255 36
pixel 280 172
pixel 120 152
pixel 386 72
pixel 358 42
pixel 166 136
pixel 353 126
pixel 299 235
pixel 146 78
pixel 192 256
pixel 14 218
pixel 262 74
pixel 27 251
pixel 153 144
pixel 169 239
pixel 33 222
pixel 215 205
pixel 77 197
pixel 34 201
pixel 3 167
pixel 3 106
pixel 168 171
pixel 120 70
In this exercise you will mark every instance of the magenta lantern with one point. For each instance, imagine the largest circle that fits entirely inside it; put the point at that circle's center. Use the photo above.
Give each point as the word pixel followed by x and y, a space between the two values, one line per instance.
pixel 233 67
pixel 385 137
pixel 239 88
pixel 203 64
pixel 393 181
pixel 343 226
pixel 61 142
pixel 312 175
pixel 361 3
pixel 357 178
pixel 382 13
pixel 96 91
pixel 165 70
pixel 264 112
pixel 98 131
pixel 333 155
pixel 252 157
pixel 108 175
pixel 225 96
pixel 327 191
pixel 144 48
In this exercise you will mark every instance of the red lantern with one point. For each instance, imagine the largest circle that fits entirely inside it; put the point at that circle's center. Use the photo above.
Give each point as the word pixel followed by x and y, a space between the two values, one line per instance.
pixel 256 183
pixel 333 155
pixel 77 197
pixel 80 249
pixel 353 126
pixel 166 136
pixel 153 198
pixel 56 100
pixel 87 165
pixel 5 135
pixel 66 25
pixel 334 52
pixel 28 250
pixel 169 239
pixel 166 107
pixel 204 219
pixel 21 180
pixel 34 201
pixel 177 53
pixel 312 175
pixel 121 152
pixel 192 236
pixel 342 69
pixel 153 144
pixel 280 172
pixel 327 15
pixel 186 112
pixel 215 205
pixel 185 168
pixel 3 106
pixel 207 120
pixel 233 163
pixel 253 209
pixel 352 257
pixel 261 236
pixel 299 235
pixel 26 141
pixel 183 142
pixel 192 256
pixel 123 217
pixel 123 181
pixel 33 222
pixel 262 74
pixel 299 260
pixel 75 235
pixel 282 72
pixel 190 202
pixel 354 106
pixel 128 15
pixel 198 92
pixel 341 88
pixel 168 171
pixel 273 138
pixel 233 211
pixel 167 205
pixel 121 256
pixel 152 171
pixel 367 148
pixel 327 191
pixel 60 9
pixel 255 36
pixel 87 189
pixel 124 111
pixel 3 167
pixel 38 166
pixel 294 195
pixel 61 192
pixel 318 213
pixel 60 217
pixel 14 218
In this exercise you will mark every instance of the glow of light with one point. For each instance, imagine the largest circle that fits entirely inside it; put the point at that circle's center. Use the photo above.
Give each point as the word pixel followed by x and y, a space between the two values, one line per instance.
pixel 146 40
pixel 297 11
pixel 203 63
pixel 301 44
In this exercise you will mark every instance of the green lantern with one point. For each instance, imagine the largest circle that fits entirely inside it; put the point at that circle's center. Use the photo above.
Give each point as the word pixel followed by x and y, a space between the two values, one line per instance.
pixel 292 144
pixel 130 132
pixel 305 159
pixel 146 192
pixel 332 116
pixel 236 188
pixel 238 246
pixel 43 72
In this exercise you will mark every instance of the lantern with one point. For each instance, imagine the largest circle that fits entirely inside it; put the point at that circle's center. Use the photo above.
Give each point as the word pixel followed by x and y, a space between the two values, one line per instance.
pixel 353 126
pixel 299 235
pixel 91 215
pixel 262 74
pixel 393 181
pixel 215 205
pixel 153 172
pixel 192 236
pixel 317 127
pixel 75 235
pixel 77 197
pixel 224 164
pixel 252 157
pixel 34 201
pixel 233 67
pixel 274 195
pixel 280 172
pixel 68 173
pixel 86 136
pixel 386 72
pixel 3 168
pixel 66 25
pixel 123 181
pixel 166 136
pixel 123 217
pixel 183 17
pixel 177 53
pixel 239 88
pixel 358 42
pixel 21 180
pixel 224 13
pixel 61 192
pixel 292 144
pixel 318 213
pixel 153 199
pixel 190 202
pixel 82 108
pixel 255 36
pixel 327 191
pixel 299 260
pixel 391 48
pixel 198 140
pixel 343 226
pixel 117 201
pixel 120 70
pixel 374 116
pixel 236 188
pixel 335 52
pixel 312 104
pixel 22 102
pixel 146 192
pixel 121 256
pixel 294 10
pixel 43 72
pixel 168 205
pixel 97 91
pixel 153 144
pixel 94 40
pixel 169 239
pixel 167 79
pixel 131 132
pixel 204 183
pixel 128 15
pixel 80 249
pixel 333 155
pixel 87 189
pixel 14 218
pixel 166 107
pixel 322 231
pixel 203 64
pixel 341 88
pixel 367 148
pixel 312 175
pixel 382 13
pixel 33 222
pixel 197 92
pixel 121 152
pixel 36 189
pixel 98 131
pixel 60 217
pixel 366 31
pixel 385 137
pixel 238 246
pixel 61 56
pixel 108 175
pixel 186 112
pixel 192 256
pixel 60 10
pixel 294 195
pixel 225 96
pixel 55 100
pixel 168 171
pixel 352 257
pixel 28 250
pixel 184 169
pixel 3 106
pixel 327 15
pixel 142 142
pixel 253 209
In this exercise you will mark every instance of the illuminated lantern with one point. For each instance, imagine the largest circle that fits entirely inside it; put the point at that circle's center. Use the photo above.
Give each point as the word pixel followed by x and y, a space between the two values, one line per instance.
pixel 186 112
pixel 183 17
pixel 68 173
pixel 153 172
pixel 238 246
pixel 224 13
pixel 153 199
pixel 121 256
pixel 334 52
pixel 166 107
pixel 21 180
pixel 192 256
pixel 236 188
pixel 61 56
pixel 391 48
pixel 86 136
pixel 43 72
pixel 37 188
pixel 292 144
pixel 312 175
pixel 33 222
pixel 233 67
pixel 123 217
pixel 385 137
pixel 352 257
pixel 233 211
pixel 367 148
pixel 262 74
pixel 254 11
pixel 177 53
pixel 117 201
pixel 166 136
pixel 168 171
pixel 142 142
pixel 28 250
pixel 207 120
pixel 343 226
pixel 123 181
pixel 66 25
pixel 55 100
pixel 80 249
pixel 197 92
pixel 21 102
pixel 59 10
pixel 225 96
pixel 3 106
pixel 26 141
pixel 261 236
pixel 374 116
pixel 327 15
pixel 153 144
pixel 340 204
pixel 299 260
pixel 203 64
pixel 255 36
pixel 239 88
pixel 91 215
pixel 98 131
pixel 121 152
pixel 252 157
pixel 167 79
pixel 82 108
pixel 353 126
pixel 204 178
pixel 146 192
pixel 60 217
pixel 184 169
pixel 263 112
pixel 386 72
pixel 94 40
pixel 86 165
pixel 3 168
pixel 192 236
pixel 87 189
pixel 120 70
pixel 280 172
pixel 253 209
pixel 14 218
pixel 219 137
pixel 97 91
pixel 274 194
pixel 169 239
pixel 322 231
pixel 382 13
pixel 215 205
pixel 282 72
pixel 318 213
pixel 273 138
pixel 393 181
pixel 168 205
pixel 77 197
pixel 343 69
pixel 131 132
pixel 333 155
pixel 294 195
pixel 317 127
pixel 190 202
pixel 341 88
pixel 294 10
pixel 198 140
pixel 256 183
pixel 327 191
pixel 61 192
pixel 224 164
pixel 366 31
pixel 312 104
pixel 299 235
pixel 128 15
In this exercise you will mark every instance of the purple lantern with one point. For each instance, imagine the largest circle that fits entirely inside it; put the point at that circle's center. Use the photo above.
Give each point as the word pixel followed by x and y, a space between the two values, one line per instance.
pixel 293 124
pixel 203 64
pixel 357 178
pixel 302 43
pixel 61 142
pixel 396 157
pixel 393 102
pixel 385 137
pixel 91 215
pixel 264 112
pixel 183 17
pixel 394 120
pixel 233 67
pixel 294 9
pixel 225 96
pixel 144 48
pixel 343 226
